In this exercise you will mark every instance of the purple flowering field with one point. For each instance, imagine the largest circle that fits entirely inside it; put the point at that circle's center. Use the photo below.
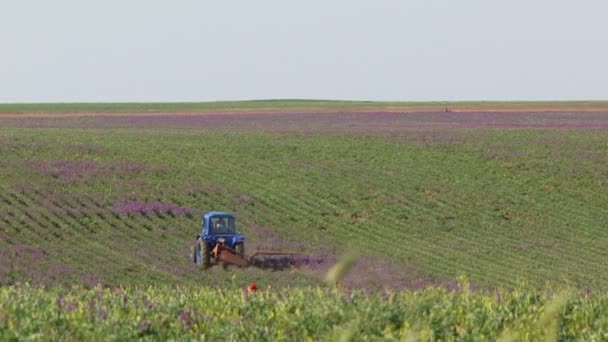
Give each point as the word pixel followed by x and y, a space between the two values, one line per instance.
pixel 423 197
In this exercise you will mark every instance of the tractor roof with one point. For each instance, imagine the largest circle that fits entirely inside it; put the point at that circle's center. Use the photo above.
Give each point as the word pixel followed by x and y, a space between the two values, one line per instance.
pixel 210 214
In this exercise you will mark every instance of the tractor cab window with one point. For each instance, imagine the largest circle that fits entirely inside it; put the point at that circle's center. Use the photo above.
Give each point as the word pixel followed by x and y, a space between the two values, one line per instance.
pixel 222 225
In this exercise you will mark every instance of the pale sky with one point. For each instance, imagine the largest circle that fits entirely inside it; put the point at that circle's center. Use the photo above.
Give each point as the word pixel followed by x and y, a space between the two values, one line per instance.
pixel 196 50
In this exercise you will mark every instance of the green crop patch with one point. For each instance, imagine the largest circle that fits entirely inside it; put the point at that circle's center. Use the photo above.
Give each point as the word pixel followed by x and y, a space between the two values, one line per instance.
pixel 184 312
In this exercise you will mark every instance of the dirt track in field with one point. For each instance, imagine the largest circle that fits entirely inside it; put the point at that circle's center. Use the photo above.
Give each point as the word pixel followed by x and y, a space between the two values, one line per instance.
pixel 406 108
pixel 368 271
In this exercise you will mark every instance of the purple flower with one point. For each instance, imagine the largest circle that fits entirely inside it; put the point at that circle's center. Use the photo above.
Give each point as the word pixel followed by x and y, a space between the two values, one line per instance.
pixel 184 316
pixel 68 171
pixel 59 302
pixel 102 313
pixel 90 280
pixel 136 207
pixel 132 168
pixel 144 326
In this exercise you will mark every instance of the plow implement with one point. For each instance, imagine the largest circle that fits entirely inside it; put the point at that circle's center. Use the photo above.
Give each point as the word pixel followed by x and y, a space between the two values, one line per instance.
pixel 262 259
pixel 228 255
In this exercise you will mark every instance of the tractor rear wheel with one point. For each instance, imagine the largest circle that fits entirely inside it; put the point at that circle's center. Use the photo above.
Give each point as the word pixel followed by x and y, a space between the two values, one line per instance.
pixel 205 251
pixel 239 248
pixel 193 253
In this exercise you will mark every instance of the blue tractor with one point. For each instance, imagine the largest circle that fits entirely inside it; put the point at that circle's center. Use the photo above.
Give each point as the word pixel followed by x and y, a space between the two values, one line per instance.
pixel 219 240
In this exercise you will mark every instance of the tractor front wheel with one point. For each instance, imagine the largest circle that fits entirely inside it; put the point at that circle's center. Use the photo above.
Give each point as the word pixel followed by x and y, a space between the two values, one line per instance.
pixel 239 248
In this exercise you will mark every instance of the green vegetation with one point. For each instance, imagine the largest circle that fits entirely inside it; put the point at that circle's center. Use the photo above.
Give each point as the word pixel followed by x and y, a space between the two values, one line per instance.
pixel 162 313
pixel 495 205
pixel 168 107
pixel 172 106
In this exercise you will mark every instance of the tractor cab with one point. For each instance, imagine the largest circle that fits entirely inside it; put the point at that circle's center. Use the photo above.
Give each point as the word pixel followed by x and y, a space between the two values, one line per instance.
pixel 220 227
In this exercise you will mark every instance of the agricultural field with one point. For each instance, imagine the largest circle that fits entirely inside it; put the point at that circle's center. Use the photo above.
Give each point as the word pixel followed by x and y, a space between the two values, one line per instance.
pixel 424 193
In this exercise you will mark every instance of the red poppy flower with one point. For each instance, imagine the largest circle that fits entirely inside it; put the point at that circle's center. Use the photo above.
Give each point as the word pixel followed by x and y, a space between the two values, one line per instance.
pixel 252 287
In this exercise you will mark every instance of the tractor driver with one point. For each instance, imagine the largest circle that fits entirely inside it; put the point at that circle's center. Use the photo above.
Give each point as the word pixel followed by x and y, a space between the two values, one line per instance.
pixel 219 227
